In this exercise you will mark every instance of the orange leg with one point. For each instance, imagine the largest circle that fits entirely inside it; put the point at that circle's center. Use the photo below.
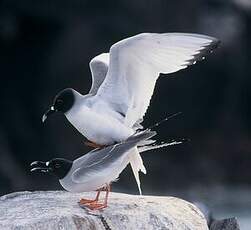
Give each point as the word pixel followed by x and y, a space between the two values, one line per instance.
pixel 94 145
pixel 87 201
pixel 98 206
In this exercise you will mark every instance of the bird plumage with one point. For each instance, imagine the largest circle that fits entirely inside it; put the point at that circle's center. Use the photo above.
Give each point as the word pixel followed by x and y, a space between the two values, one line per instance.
pixel 99 68
pixel 123 82
pixel 102 166
pixel 135 65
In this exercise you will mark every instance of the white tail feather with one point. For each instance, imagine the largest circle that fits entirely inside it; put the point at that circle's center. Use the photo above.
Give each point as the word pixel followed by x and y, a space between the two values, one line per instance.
pixel 137 165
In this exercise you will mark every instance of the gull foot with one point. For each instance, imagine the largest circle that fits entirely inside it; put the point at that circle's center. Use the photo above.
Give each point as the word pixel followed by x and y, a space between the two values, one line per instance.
pixel 86 201
pixel 96 206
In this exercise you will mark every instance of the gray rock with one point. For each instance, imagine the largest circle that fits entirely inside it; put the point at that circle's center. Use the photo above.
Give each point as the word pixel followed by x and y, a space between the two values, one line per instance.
pixel 214 224
pixel 60 210
pixel 226 224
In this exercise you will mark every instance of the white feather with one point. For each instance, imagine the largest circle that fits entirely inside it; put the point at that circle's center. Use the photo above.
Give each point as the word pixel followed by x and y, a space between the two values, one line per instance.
pixel 99 67
pixel 135 65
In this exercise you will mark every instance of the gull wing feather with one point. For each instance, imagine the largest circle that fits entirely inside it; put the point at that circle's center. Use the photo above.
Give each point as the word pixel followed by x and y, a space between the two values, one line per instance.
pixel 136 62
pixel 99 67
pixel 101 159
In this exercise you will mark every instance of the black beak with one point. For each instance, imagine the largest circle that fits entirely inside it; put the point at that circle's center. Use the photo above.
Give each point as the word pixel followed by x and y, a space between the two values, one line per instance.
pixel 40 166
pixel 48 113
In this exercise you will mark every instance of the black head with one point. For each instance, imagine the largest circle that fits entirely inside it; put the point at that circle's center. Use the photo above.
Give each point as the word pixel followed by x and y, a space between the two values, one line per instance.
pixel 58 166
pixel 62 102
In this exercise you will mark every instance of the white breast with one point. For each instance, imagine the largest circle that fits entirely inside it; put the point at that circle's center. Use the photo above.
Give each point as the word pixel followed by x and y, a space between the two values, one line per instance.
pixel 98 124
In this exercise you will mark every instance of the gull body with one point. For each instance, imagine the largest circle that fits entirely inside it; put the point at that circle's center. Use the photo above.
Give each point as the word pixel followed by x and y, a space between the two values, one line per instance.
pixel 97 121
pixel 123 82
pixel 95 169
pixel 93 181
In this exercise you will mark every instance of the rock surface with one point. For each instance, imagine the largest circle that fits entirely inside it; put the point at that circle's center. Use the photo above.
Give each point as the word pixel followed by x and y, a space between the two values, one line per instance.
pixel 226 224
pixel 60 210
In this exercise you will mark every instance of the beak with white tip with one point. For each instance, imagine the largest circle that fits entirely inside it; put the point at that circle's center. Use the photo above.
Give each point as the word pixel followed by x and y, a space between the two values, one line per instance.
pixel 40 166
pixel 48 113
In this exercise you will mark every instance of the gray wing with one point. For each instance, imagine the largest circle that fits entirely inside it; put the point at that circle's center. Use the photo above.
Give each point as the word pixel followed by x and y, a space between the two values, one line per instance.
pixel 100 159
pixel 99 67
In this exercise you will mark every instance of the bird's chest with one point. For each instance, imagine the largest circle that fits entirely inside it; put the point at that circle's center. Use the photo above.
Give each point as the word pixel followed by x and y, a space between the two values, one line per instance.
pixel 98 126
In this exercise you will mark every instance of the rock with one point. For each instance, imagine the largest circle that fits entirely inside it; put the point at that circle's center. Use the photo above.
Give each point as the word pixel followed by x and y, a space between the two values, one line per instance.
pixel 214 224
pixel 60 210
pixel 206 212
pixel 226 224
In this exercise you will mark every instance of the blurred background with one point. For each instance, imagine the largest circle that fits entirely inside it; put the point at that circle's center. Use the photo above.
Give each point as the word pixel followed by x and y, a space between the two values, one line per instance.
pixel 46 46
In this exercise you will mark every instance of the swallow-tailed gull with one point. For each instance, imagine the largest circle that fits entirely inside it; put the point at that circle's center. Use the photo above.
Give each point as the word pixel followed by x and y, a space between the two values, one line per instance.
pixel 95 170
pixel 123 82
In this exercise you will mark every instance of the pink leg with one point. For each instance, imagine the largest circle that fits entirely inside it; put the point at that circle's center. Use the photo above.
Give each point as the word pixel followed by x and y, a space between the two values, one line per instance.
pixel 106 194
pixel 98 206
pixel 87 201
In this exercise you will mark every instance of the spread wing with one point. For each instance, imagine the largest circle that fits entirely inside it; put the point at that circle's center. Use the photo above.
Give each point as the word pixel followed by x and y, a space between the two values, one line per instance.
pixel 96 161
pixel 99 67
pixel 136 62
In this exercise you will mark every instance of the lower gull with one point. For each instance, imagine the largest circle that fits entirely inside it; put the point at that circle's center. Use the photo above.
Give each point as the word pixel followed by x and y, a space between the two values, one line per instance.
pixel 94 171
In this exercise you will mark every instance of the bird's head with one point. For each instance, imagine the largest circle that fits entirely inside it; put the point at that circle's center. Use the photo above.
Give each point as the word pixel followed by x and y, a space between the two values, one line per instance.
pixel 57 166
pixel 62 102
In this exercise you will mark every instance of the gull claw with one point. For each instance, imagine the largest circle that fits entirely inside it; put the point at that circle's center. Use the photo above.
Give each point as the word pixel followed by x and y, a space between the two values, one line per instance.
pixel 96 206
pixel 86 201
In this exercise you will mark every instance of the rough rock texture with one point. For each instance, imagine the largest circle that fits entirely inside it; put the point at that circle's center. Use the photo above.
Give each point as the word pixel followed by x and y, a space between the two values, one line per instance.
pixel 226 224
pixel 60 210
pixel 214 224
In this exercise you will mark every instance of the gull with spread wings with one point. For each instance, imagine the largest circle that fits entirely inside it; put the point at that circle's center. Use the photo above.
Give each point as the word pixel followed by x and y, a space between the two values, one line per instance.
pixel 123 82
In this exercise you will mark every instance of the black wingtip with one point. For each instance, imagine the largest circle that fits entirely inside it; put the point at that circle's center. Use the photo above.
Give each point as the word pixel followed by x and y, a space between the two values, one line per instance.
pixel 214 44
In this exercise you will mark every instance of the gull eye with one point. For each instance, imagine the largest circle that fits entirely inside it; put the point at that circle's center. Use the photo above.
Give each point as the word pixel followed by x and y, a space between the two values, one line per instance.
pixel 57 166
pixel 59 101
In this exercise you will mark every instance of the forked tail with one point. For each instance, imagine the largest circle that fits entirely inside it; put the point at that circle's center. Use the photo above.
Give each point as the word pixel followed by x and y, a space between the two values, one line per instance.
pixel 146 145
pixel 137 165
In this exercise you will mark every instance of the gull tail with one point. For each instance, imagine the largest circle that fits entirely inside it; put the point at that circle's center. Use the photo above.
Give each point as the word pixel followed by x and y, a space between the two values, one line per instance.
pixel 137 165
pixel 148 144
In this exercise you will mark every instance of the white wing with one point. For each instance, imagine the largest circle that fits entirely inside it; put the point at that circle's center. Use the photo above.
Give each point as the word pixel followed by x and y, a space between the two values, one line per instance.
pixel 136 62
pixel 99 67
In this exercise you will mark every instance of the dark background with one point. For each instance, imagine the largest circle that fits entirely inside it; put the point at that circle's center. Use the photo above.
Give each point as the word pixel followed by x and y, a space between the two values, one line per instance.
pixel 47 45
